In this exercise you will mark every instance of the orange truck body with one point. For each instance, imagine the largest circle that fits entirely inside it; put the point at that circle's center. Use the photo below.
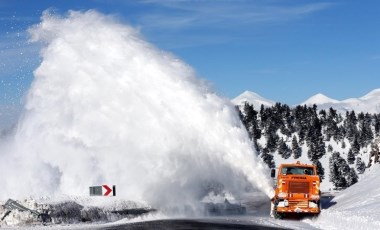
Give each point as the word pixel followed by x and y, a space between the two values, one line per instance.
pixel 296 190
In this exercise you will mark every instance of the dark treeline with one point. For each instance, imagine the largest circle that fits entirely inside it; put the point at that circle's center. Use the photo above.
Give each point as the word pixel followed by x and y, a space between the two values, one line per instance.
pixel 285 130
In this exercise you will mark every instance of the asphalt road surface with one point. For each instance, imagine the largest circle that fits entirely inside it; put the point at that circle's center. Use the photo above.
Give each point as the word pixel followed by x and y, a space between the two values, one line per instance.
pixel 257 217
pixel 187 224
pixel 256 209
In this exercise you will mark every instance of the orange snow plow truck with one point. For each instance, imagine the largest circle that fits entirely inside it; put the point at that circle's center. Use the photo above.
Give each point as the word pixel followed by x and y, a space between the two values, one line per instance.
pixel 296 190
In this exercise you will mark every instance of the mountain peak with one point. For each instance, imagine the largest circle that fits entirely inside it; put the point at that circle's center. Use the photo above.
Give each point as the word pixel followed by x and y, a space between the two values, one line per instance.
pixel 252 98
pixel 318 99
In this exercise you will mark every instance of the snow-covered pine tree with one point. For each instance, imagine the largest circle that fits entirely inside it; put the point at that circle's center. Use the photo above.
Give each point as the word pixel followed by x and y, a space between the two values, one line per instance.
pixel 333 170
pixel 268 158
pixel 374 154
pixel 376 123
pixel 350 126
pixel 283 149
pixel 351 177
pixel 365 132
pixel 272 139
pixel 355 146
pixel 320 169
pixel 331 129
pixel 315 141
pixel 350 157
pixel 250 121
pixel 360 165
pixel 338 168
pixel 296 149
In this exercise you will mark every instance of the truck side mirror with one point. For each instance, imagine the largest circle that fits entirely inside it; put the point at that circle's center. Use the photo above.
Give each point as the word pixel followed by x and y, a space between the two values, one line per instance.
pixel 273 173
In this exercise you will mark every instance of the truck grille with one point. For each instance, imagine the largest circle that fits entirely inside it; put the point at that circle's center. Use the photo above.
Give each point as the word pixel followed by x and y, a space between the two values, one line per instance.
pixel 299 203
pixel 298 187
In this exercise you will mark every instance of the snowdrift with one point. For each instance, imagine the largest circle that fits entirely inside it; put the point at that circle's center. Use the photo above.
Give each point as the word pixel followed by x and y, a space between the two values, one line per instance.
pixel 357 207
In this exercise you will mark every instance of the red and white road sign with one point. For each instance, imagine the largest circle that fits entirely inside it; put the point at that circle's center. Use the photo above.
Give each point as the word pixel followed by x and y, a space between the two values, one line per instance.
pixel 107 191
pixel 103 190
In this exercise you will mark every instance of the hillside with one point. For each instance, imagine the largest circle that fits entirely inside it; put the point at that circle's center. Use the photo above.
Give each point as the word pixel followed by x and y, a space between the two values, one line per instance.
pixel 342 146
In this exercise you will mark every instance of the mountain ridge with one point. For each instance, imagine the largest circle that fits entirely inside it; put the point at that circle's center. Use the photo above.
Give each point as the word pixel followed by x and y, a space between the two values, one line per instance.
pixel 369 103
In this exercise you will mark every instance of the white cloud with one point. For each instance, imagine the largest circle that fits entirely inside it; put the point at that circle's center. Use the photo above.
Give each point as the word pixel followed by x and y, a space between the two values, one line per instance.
pixel 183 23
pixel 190 13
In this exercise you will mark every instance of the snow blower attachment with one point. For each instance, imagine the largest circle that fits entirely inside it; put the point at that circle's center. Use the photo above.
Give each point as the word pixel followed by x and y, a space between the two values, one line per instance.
pixel 296 190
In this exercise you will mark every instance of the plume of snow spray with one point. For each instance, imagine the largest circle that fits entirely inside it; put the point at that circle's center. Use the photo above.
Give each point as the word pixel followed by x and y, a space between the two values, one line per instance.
pixel 107 107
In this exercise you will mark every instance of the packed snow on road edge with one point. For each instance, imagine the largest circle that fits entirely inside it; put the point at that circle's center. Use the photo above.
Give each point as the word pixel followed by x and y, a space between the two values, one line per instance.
pixel 357 207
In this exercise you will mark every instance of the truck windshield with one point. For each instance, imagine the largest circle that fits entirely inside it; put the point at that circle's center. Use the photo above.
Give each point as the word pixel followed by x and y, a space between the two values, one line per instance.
pixel 297 170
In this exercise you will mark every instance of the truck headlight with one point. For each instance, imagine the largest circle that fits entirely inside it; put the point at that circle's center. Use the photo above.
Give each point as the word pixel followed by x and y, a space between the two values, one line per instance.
pixel 314 197
pixel 282 194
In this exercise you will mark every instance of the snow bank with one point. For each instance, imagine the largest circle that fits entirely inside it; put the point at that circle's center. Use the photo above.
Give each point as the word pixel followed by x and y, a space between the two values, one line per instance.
pixel 357 207
pixel 73 210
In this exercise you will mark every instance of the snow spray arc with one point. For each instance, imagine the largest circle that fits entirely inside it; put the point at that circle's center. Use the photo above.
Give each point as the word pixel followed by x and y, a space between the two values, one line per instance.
pixel 105 105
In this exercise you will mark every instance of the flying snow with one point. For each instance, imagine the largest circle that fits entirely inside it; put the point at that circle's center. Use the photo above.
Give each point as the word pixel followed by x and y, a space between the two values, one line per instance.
pixel 107 107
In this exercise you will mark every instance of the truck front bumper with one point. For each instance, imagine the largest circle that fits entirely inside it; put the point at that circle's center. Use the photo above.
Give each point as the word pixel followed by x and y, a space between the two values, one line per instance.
pixel 298 206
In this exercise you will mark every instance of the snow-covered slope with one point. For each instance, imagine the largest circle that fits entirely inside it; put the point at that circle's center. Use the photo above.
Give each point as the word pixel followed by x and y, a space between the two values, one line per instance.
pixel 252 98
pixel 357 207
pixel 369 103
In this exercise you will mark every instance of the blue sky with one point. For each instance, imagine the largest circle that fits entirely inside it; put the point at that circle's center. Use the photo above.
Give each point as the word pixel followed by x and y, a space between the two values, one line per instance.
pixel 285 50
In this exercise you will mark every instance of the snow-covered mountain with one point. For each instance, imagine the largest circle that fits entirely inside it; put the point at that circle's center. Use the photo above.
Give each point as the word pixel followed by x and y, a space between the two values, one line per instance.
pixel 368 103
pixel 252 98
pixel 319 99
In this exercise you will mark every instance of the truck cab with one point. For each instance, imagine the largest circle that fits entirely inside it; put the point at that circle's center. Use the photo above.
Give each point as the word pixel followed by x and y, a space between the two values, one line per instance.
pixel 296 190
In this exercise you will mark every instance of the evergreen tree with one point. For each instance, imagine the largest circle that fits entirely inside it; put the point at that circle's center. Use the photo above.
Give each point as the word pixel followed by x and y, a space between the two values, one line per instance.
pixel 250 121
pixel 374 154
pixel 351 177
pixel 376 123
pixel 320 169
pixel 302 136
pixel 307 125
pixel 350 126
pixel 284 150
pixel 272 139
pixel 339 136
pixel 355 146
pixel 350 157
pixel 289 120
pixel 315 141
pixel 268 158
pixel 322 116
pixel 338 168
pixel 360 165
pixel 331 125
pixel 367 134
pixel 296 149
